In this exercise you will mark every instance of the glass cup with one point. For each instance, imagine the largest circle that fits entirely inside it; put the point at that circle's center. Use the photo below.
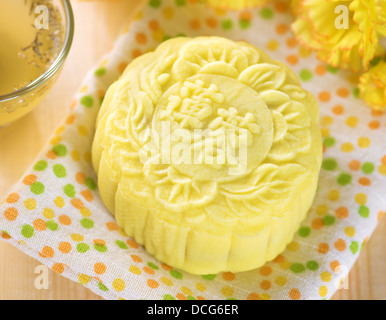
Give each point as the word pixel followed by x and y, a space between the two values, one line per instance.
pixel 18 103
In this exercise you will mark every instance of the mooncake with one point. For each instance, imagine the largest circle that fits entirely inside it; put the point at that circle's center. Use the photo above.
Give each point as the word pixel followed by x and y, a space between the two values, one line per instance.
pixel 208 153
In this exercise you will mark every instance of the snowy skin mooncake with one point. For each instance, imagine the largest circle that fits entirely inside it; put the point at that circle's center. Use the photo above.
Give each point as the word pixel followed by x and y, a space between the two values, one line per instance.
pixel 208 153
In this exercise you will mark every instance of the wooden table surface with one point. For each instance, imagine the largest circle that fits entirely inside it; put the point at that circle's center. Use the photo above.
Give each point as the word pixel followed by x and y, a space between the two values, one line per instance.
pixel 97 25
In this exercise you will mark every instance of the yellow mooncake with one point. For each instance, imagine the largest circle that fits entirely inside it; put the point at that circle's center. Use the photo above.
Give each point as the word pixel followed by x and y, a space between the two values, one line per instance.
pixel 208 153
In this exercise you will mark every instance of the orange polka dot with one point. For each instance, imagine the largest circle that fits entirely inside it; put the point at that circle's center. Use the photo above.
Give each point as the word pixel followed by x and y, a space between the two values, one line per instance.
pixel 265 271
pixel 324 96
pixel 245 15
pixel 376 113
pixel 341 212
pixel 281 28
pixel 294 294
pixel 180 296
pixel 281 6
pixel 48 252
pixel 77 203
pixel 253 296
pixel 141 38
pixel 166 267
pixel 338 110
pixel 11 214
pixel 212 22
pixel 229 276
pixel 136 53
pixel 100 242
pixel 51 155
pixel 13 198
pixel 122 66
pixel 323 248
pixel 383 160
pixel 58 267
pixel 80 178
pixel 380 215
pixel 64 220
pixel 136 258
pixel 340 245
pixel 152 283
pixel 70 120
pixel 195 24
pixel 148 270
pixel 111 226
pixel 132 244
pixel 373 125
pixel 99 268
pixel 317 224
pixel 279 259
pixel 5 236
pixel 65 247
pixel 343 92
pixel 40 225
pixel 320 70
pixel 265 285
pixel 291 42
pixel 87 194
pixel 200 298
pixel 292 59
pixel 334 265
pixel 354 165
pixel 30 179
pixel 153 25
pixel 73 105
pixel 364 181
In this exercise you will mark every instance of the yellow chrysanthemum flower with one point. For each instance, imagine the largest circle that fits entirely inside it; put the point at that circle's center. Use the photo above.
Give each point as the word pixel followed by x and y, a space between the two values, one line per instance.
pixel 372 87
pixel 236 4
pixel 350 48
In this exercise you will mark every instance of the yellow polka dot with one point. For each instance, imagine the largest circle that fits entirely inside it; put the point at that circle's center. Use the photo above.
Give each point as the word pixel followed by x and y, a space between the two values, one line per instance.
pixel 135 270
pixel 75 155
pixel 349 231
pixel 227 291
pixel 30 204
pixel 363 142
pixel 103 63
pixel 326 121
pixel 166 281
pixel 334 195
pixel 281 281
pixel 82 130
pixel 325 132
pixel 200 286
pixel 382 169
pixel 264 296
pixel 293 246
pixel 321 210
pixel 77 237
pixel 323 291
pixel 138 16
pixel 220 12
pixel 55 140
pixel 84 279
pixel 168 13
pixel 285 265
pixel 352 121
pixel 187 291
pixel 119 285
pixel 48 213
pixel 158 35
pixel 304 52
pixel 360 198
pixel 325 276
pixel 85 212
pixel 347 147
pixel 87 156
pixel 59 130
pixel 84 89
pixel 272 45
pixel 59 202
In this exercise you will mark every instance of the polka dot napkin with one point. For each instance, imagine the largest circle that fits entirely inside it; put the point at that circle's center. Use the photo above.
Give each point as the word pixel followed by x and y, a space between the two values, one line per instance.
pixel 55 213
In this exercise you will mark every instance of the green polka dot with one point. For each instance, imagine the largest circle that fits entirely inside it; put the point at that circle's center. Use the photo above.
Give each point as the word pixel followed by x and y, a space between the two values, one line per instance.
pixel 312 265
pixel 364 211
pixel 87 223
pixel 368 168
pixel 231 299
pixel 102 287
pixel 87 101
pixel 169 297
pixel 27 231
pixel 121 244
pixel 82 247
pixel 297 268
pixel 41 165
pixel 354 247
pixel 90 183
pixel 266 13
pixel 166 38
pixel 37 188
pixel 209 277
pixel 305 75
pixel 100 247
pixel 355 93
pixel 328 220
pixel 176 274
pixel 69 190
pixel 344 179
pixel 304 231
pixel 100 72
pixel 190 298
pixel 155 3
pixel 60 150
pixel 52 225
pixel 244 24
pixel 227 24
pixel 332 69
pixel 329 164
pixel 180 3
pixel 60 171
pixel 329 142
pixel 152 265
